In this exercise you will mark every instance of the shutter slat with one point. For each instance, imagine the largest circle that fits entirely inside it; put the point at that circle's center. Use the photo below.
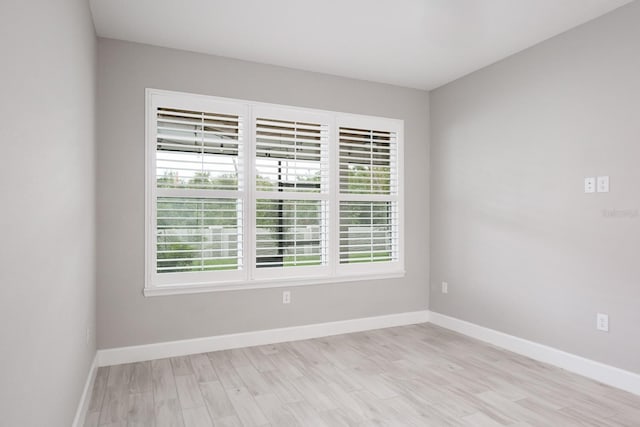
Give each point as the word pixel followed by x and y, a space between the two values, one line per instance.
pixel 368 232
pixel 198 149
pixel 367 161
pixel 291 156
pixel 195 234
pixel 290 233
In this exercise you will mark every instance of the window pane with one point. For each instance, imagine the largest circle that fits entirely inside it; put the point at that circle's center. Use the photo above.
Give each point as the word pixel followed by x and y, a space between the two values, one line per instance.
pixel 368 232
pixel 290 233
pixel 197 149
pixel 368 162
pixel 198 234
pixel 291 156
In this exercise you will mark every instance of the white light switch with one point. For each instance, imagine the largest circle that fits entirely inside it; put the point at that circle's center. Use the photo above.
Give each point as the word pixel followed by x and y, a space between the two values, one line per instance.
pixel 590 185
pixel 603 184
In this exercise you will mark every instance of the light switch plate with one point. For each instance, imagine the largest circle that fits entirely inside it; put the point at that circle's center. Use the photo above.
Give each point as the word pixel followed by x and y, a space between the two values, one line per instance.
pixel 602 322
pixel 603 184
pixel 590 185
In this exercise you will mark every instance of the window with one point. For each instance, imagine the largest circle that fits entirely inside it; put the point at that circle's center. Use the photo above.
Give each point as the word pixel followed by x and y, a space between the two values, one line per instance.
pixel 244 194
pixel 368 195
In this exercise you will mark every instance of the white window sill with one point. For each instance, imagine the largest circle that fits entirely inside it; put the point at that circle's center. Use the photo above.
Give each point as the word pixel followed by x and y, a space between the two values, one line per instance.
pixel 263 284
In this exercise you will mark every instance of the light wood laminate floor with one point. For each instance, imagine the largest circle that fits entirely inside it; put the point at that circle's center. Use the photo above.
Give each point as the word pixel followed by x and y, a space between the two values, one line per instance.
pixel 419 375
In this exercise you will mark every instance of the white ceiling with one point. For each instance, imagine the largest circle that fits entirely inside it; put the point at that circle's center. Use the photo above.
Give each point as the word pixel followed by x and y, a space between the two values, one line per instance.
pixel 415 43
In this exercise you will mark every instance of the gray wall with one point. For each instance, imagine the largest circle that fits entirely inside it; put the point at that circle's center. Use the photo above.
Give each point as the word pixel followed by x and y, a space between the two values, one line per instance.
pixel 125 317
pixel 47 181
pixel 523 249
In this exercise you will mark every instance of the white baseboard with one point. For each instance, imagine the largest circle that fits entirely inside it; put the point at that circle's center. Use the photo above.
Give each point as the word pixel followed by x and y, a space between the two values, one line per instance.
pixel 138 353
pixel 83 406
pixel 601 372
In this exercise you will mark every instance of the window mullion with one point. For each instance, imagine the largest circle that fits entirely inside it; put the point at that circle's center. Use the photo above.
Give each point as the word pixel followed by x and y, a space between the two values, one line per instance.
pixel 334 198
pixel 250 191
pixel 202 253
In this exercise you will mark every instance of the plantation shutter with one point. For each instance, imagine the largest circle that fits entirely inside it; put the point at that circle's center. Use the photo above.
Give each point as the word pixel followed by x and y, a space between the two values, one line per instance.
pixel 368 200
pixel 241 194
pixel 199 206
pixel 292 172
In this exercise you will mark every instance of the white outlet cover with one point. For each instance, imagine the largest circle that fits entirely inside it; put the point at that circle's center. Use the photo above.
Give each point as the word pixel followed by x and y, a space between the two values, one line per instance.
pixel 445 288
pixel 590 184
pixel 286 297
pixel 602 322
pixel 603 184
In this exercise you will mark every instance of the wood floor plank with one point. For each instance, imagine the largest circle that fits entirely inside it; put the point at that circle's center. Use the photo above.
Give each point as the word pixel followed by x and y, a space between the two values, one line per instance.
pixel 275 411
pixel 287 364
pixel 415 415
pixel 232 421
pixel 115 406
pixel 257 359
pixel 167 410
pixel 480 419
pixel 92 419
pixel 281 387
pixel 418 375
pixel 163 380
pixel 246 408
pixel 238 357
pixel 373 409
pixel 182 365
pixel 141 378
pixel 375 384
pixel 141 410
pixel 268 349
pixel 331 373
pixel 511 409
pixel 314 392
pixel 217 401
pixel 197 417
pixel 305 414
pixel 336 418
pixel 120 375
pixel 253 380
pixel 188 391
pixel 99 389
pixel 202 368
pixel 116 399
pixel 168 413
pixel 225 371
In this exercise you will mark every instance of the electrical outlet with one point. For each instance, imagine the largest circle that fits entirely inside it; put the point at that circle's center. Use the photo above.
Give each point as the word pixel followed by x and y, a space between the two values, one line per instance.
pixel 88 335
pixel 445 288
pixel 286 297
pixel 602 322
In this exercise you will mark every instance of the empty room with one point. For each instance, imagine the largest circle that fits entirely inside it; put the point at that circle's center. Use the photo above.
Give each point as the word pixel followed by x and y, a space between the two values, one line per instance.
pixel 320 213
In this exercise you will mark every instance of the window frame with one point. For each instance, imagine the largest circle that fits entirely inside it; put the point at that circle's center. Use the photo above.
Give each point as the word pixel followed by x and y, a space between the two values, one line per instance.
pixel 250 277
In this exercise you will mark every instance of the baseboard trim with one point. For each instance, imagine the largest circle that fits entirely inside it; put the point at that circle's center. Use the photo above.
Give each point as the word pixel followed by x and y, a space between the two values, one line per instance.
pixel 598 371
pixel 83 406
pixel 138 353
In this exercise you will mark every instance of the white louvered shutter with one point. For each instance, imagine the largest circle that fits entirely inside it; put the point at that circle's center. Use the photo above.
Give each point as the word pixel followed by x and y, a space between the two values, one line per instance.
pixel 199 206
pixel 291 182
pixel 368 195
